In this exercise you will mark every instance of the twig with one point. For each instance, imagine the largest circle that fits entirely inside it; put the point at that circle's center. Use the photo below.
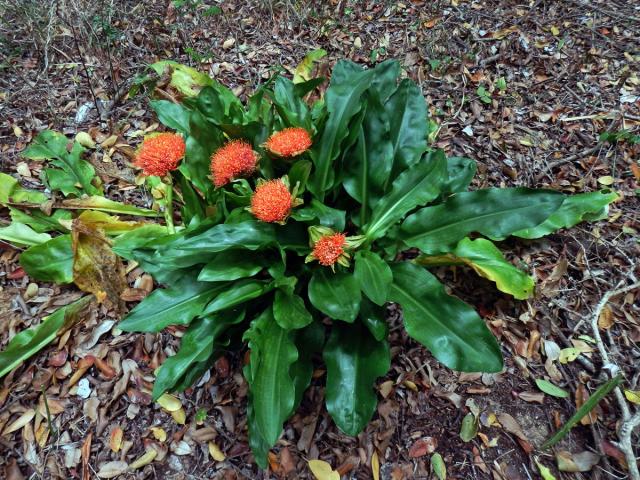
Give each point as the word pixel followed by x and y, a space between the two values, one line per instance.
pixel 568 159
pixel 629 421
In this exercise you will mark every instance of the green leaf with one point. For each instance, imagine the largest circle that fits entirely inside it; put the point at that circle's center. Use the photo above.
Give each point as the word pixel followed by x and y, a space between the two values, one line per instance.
pixel 448 327
pixel 196 346
pixel 73 176
pixel 414 187
pixel 299 174
pixel 586 407
pixel 408 119
pixel 374 276
pixel 305 67
pixel 12 192
pixel 493 212
pixel 231 265
pixel 203 139
pixel 550 389
pixel 385 81
pixel 238 293
pixel 188 81
pixel 487 260
pixel 177 305
pixel 40 221
pixel 292 109
pixel 97 202
pixel 461 171
pixel 576 208
pixel 309 341
pixel 342 101
pixel 21 234
pixel 28 342
pixel 335 294
pixel 469 428
pixel 327 216
pixel 290 311
pixel 272 389
pixel 220 105
pixel 438 466
pixel 173 115
pixel 374 318
pixel 354 361
pixel 371 158
pixel 51 261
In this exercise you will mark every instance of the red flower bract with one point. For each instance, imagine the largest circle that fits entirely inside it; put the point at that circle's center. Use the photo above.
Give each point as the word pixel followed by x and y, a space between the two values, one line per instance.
pixel 328 249
pixel 289 142
pixel 272 201
pixel 160 154
pixel 233 160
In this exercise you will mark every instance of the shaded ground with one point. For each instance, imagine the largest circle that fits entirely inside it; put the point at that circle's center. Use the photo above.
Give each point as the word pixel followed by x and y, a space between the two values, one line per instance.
pixel 525 89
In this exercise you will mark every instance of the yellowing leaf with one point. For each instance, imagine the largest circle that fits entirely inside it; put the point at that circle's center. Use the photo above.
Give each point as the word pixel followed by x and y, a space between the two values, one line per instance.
pixel 145 459
pixel 633 396
pixel 545 473
pixel 375 466
pixel 169 402
pixel 304 69
pixel 322 470
pixel 84 139
pixel 216 453
pixel 179 416
pixel 115 439
pixel 569 354
pixel 606 319
pixel 112 469
pixel 606 180
pixel 555 30
pixel 158 433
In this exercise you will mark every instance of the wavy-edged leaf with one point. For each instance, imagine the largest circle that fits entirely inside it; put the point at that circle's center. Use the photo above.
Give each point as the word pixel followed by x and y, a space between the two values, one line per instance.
pixel 187 80
pixel 448 327
pixel 487 260
pixel 416 186
pixel 290 311
pixel 408 119
pixel 30 341
pixel 22 235
pixel 461 171
pixel 335 294
pixel 575 209
pixel 40 221
pixel 304 69
pixel 97 202
pixel 177 305
pixel 373 274
pixel 51 261
pixel 273 352
pixel 343 102
pixel 494 212
pixel 197 345
pixel 291 107
pixel 354 361
pixel 12 192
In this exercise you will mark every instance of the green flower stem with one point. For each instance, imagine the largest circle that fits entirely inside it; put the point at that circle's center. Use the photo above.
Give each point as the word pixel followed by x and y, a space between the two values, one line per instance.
pixel 168 207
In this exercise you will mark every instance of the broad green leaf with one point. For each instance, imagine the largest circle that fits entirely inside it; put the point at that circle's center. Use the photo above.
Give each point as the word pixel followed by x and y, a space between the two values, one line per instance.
pixel 385 81
pixel 290 311
pixel 374 318
pixel 438 466
pixel 173 115
pixel 487 260
pixel 371 158
pixel 30 341
pixel 299 174
pixel 12 192
pixel 292 109
pixel 309 341
pixel 177 305
pixel 469 427
pixel 374 276
pixel 550 389
pixel 414 187
pixel 231 265
pixel 335 294
pixel 461 171
pixel 575 208
pixel 51 261
pixel 343 102
pixel 220 105
pixel 272 389
pixel 448 327
pixel 354 361
pixel 187 80
pixel 327 216
pixel 73 176
pixel 193 204
pixel 236 294
pixel 21 234
pixel 97 202
pixel 196 346
pixel 40 221
pixel 203 139
pixel 493 212
pixel 408 120
pixel 304 69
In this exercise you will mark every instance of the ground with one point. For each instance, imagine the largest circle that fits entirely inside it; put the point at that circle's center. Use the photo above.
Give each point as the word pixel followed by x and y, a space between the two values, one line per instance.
pixel 525 88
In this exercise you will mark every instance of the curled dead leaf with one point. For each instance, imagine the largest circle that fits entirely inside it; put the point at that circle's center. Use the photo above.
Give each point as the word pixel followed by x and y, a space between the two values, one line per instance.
pixel 21 421
pixel 112 469
pixel 216 453
pixel 144 460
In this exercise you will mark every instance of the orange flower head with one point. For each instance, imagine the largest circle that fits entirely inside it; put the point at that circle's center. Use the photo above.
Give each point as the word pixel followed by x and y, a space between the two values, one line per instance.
pixel 329 248
pixel 233 160
pixel 289 142
pixel 272 202
pixel 160 154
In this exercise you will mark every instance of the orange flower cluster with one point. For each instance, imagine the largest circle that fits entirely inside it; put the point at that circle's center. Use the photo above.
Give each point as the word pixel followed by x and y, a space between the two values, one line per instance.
pixel 289 142
pixel 328 249
pixel 160 154
pixel 233 160
pixel 272 202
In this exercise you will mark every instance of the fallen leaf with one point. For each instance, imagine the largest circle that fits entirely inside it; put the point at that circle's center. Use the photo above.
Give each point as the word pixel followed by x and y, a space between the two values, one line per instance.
pixel 511 425
pixel 158 433
pixel 422 447
pixel 322 470
pixel 22 420
pixel 550 389
pixel 375 466
pixel 633 396
pixel 576 462
pixel 438 466
pixel 179 416
pixel 169 402
pixel 115 439
pixel 545 473
pixel 536 397
pixel 469 427
pixel 144 460
pixel 112 469
pixel 216 453
pixel 607 180
pixel 581 397
pixel 606 319
pixel 181 448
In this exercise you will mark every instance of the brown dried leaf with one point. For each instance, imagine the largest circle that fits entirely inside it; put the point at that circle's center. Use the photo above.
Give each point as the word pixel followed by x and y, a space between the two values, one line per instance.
pixel 22 420
pixel 115 439
pixel 111 469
